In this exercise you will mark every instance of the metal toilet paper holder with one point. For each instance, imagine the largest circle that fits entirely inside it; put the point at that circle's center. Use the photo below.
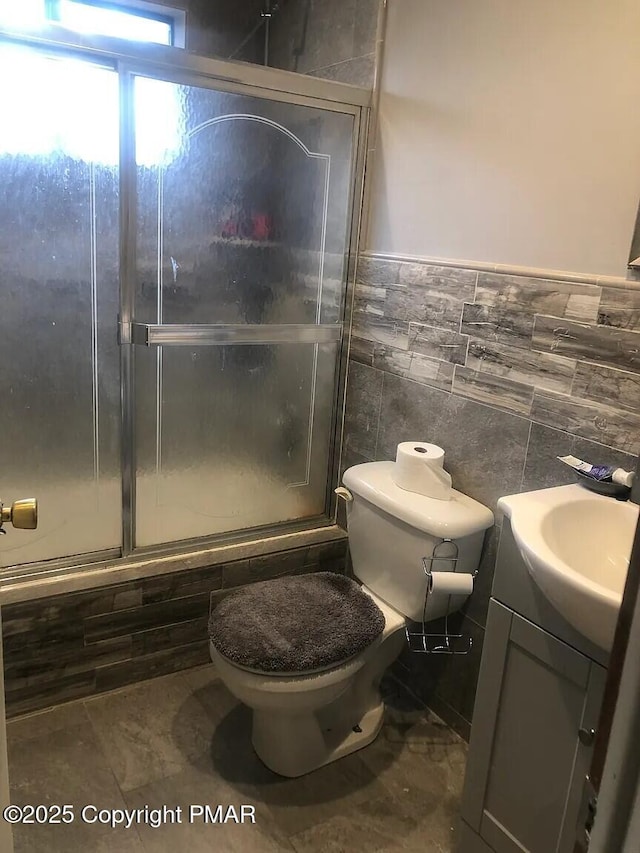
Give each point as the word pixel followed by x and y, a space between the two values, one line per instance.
pixel 425 642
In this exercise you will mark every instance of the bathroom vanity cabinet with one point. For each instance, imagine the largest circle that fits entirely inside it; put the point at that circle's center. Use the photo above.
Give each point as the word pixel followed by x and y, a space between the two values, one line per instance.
pixel 538 700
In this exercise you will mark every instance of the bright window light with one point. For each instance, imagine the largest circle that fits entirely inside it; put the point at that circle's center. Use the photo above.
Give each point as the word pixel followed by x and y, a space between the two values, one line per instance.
pixel 71 107
pixel 23 13
pixel 105 21
pixel 85 17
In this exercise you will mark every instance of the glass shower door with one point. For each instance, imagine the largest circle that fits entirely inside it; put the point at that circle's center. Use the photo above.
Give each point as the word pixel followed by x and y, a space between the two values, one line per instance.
pixel 243 212
pixel 59 248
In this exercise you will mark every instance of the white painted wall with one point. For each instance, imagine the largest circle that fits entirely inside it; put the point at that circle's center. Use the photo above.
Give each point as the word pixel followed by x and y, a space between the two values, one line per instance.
pixel 510 132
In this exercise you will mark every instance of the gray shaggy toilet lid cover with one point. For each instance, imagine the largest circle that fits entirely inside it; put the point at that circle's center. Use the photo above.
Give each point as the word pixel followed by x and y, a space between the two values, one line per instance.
pixel 295 624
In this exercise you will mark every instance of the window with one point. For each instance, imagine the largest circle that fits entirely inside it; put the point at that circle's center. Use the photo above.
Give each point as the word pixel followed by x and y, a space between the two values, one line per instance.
pixel 137 20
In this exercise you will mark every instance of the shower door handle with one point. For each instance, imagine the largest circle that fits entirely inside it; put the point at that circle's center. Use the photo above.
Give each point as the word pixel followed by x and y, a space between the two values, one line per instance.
pixel 22 514
pixel 222 334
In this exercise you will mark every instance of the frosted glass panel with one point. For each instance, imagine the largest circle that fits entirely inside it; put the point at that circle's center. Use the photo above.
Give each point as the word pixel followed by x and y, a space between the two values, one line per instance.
pixel 239 440
pixel 242 207
pixel 243 219
pixel 59 381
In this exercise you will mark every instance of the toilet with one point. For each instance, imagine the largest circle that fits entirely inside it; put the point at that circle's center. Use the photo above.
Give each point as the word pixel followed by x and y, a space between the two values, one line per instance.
pixel 306 653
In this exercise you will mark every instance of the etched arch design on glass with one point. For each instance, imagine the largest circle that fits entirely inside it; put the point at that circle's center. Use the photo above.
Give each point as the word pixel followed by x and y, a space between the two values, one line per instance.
pixel 324 159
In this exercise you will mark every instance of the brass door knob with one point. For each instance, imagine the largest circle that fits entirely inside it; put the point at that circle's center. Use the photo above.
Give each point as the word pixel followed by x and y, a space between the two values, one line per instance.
pixel 22 514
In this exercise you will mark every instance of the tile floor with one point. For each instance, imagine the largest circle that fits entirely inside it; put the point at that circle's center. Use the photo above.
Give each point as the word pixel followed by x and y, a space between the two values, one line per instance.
pixel 182 739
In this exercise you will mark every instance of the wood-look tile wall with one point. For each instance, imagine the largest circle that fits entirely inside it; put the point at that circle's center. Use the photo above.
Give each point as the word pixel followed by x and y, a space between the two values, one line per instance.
pixel 563 354
pixel 506 373
pixel 69 646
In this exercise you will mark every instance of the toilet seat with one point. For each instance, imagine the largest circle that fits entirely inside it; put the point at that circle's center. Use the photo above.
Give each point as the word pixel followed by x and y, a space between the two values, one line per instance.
pixel 289 682
pixel 295 625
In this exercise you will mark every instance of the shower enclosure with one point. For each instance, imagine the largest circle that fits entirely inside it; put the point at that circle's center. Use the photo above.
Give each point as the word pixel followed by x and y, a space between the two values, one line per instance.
pixel 177 235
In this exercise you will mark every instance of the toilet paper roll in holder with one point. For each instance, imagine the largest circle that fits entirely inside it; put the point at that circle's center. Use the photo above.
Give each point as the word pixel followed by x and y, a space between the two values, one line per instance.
pixel 433 643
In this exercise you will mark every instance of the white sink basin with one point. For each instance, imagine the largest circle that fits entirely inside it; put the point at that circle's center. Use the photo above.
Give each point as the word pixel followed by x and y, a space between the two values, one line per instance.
pixel 576 545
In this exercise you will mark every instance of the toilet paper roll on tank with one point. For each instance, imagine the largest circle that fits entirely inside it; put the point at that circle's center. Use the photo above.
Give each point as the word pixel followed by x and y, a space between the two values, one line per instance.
pixel 419 469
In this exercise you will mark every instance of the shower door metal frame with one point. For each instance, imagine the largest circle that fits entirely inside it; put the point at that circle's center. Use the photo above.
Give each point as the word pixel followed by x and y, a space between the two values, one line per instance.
pixel 175 65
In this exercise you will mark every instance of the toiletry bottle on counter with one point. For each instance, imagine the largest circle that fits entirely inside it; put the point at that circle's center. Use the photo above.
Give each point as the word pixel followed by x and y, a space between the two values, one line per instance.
pixel 602 473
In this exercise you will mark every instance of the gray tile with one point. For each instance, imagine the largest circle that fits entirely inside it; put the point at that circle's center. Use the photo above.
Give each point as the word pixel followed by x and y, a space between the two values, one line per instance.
pixel 328 34
pixel 199 784
pixel 441 344
pixel 125 622
pixel 416 748
pixel 539 296
pixel 327 552
pixel 151 665
pixel 361 350
pixel 124 843
pixel 60 616
pixel 209 689
pixel 356 72
pixel 530 367
pixel 452 717
pixel 364 391
pixel 542 469
pixel 493 390
pixel 373 270
pixel 333 790
pixel 169 636
pixel 382 330
pixel 47 722
pixel 430 295
pixel 35 697
pixel 419 304
pixel 181 584
pixel 34 626
pixel 428 371
pixel 620 307
pixel 607 385
pixel 504 325
pixel 154 729
pixel 480 466
pixel 280 563
pixel 420 368
pixel 601 344
pixel 392 360
pixel 615 427
pixel 366 27
pixel 64 766
pixel 386 824
pixel 350 458
pixel 440 280
pixel 51 662
pixel 370 298
pixel 58 619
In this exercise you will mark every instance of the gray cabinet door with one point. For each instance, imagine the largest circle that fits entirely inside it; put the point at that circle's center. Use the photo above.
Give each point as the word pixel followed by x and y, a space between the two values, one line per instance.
pixel 526 762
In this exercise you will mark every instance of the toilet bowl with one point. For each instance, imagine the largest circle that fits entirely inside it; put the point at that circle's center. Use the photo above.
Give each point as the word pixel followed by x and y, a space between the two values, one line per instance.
pixel 305 719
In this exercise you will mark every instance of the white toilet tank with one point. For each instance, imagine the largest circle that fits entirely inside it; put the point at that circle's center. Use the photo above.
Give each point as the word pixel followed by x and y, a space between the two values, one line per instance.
pixel 391 530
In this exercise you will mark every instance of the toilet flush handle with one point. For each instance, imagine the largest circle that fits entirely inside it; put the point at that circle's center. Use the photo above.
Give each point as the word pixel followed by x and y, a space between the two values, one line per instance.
pixel 343 493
